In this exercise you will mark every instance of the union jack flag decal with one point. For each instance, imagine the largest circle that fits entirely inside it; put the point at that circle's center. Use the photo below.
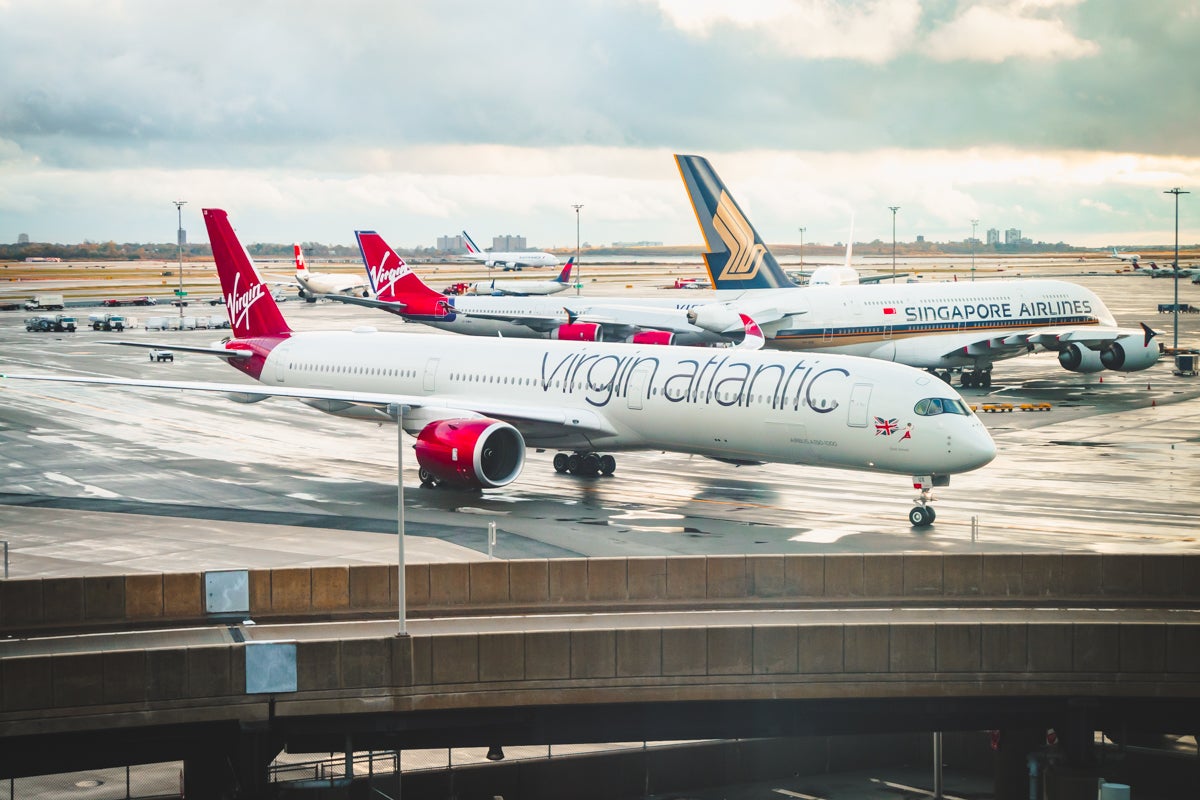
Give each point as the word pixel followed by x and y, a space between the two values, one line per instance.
pixel 886 427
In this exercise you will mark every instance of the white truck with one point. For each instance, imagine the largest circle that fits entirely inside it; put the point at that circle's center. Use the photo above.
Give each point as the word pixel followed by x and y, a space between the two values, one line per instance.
pixel 45 302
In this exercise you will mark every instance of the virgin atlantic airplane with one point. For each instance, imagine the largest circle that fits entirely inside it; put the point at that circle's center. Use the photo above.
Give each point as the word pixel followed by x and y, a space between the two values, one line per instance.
pixel 475 405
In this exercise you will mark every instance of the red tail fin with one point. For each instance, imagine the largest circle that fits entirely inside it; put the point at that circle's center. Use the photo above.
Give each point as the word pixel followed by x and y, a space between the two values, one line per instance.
pixel 252 310
pixel 565 275
pixel 299 255
pixel 391 278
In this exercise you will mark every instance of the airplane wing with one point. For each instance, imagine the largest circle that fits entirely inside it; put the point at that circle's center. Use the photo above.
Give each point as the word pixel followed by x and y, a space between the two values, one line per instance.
pixel 880 277
pixel 540 323
pixel 366 302
pixel 1047 338
pixel 219 352
pixel 525 418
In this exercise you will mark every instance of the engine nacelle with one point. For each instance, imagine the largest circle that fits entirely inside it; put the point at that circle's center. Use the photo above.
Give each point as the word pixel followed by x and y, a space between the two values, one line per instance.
pixel 1075 358
pixel 1130 354
pixel 652 337
pixel 715 318
pixel 578 332
pixel 479 453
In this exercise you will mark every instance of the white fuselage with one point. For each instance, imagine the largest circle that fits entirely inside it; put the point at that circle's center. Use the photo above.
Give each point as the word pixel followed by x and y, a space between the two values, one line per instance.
pixel 742 406
pixel 511 260
pixel 919 324
pixel 501 286
pixel 318 283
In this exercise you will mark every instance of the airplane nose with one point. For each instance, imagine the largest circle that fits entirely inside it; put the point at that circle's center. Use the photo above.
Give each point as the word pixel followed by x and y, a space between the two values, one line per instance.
pixel 976 448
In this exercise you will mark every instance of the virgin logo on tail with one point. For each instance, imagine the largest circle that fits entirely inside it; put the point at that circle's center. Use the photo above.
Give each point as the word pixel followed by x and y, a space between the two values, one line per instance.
pixel 239 305
pixel 385 277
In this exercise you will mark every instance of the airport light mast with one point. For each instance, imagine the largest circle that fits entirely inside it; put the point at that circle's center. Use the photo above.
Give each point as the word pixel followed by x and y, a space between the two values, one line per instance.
pixel 578 279
pixel 1176 191
pixel 974 223
pixel 179 204
pixel 802 249
pixel 894 210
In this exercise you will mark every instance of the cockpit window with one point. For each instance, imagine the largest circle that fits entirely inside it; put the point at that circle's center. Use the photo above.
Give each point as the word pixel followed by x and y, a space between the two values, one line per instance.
pixel 932 406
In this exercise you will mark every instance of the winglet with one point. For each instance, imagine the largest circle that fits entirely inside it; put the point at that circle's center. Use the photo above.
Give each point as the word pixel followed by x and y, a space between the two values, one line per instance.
pixel 737 258
pixel 753 339
pixel 248 302
pixel 1147 333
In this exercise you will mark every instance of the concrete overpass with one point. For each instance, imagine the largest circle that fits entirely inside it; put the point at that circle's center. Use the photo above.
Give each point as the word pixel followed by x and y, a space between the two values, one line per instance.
pixel 589 650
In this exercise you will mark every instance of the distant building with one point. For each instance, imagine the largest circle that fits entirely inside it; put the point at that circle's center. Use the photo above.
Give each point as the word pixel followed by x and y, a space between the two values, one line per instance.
pixel 637 244
pixel 1012 236
pixel 22 238
pixel 182 237
pixel 993 236
pixel 508 244
pixel 452 244
pixel 920 238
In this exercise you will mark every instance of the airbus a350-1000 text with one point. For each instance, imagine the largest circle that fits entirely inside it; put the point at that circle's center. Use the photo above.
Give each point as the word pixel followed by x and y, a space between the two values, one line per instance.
pixel 475 405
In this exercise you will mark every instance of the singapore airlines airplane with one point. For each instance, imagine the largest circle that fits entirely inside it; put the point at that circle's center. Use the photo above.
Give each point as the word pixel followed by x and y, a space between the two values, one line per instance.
pixel 522 287
pixel 949 327
pixel 474 406
pixel 316 284
pixel 513 261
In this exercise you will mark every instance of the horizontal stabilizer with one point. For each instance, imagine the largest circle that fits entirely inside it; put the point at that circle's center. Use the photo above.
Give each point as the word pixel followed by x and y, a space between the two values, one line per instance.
pixel 219 352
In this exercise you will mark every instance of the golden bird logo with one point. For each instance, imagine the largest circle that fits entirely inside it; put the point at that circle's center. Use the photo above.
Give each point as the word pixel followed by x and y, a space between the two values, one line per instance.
pixel 745 255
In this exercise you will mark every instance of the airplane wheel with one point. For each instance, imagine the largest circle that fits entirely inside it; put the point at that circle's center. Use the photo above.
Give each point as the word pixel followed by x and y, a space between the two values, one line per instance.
pixel 427 479
pixel 560 462
pixel 932 512
pixel 945 376
pixel 591 464
pixel 573 463
pixel 608 465
pixel 986 382
pixel 920 516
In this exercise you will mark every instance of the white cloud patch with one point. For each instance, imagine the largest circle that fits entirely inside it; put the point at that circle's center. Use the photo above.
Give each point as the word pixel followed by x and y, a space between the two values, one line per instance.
pixel 1018 29
pixel 873 32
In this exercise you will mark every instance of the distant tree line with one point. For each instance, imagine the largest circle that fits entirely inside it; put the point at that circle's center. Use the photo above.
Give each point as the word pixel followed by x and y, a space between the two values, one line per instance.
pixel 134 251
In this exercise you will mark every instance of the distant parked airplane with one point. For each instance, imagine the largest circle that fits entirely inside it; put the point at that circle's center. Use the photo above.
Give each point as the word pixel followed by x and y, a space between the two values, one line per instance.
pixel 510 261
pixel 312 285
pixel 522 287
pixel 1132 258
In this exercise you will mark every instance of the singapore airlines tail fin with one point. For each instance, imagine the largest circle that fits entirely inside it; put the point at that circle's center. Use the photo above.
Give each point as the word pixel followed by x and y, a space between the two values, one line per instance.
pixel 392 281
pixel 737 257
pixel 248 302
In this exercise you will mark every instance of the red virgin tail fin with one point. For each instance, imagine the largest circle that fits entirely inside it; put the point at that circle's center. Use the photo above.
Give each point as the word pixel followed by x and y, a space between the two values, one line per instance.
pixel 248 302
pixel 391 279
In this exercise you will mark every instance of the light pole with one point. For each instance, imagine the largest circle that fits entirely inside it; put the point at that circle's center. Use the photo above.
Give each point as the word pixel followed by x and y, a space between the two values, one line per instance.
pixel 894 210
pixel 974 223
pixel 396 410
pixel 802 249
pixel 1176 191
pixel 578 277
pixel 179 204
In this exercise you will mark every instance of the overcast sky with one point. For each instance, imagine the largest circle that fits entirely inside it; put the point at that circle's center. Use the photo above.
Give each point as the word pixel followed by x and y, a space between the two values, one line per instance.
pixel 308 120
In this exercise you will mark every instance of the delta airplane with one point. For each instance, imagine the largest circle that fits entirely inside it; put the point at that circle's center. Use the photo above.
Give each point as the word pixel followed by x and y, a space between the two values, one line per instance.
pixel 317 284
pixel 399 290
pixel 510 261
pixel 947 327
pixel 474 406
pixel 522 287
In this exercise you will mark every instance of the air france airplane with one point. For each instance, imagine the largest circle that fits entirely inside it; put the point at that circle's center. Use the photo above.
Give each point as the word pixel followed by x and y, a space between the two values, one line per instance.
pixel 513 261
pixel 474 406
pixel 949 327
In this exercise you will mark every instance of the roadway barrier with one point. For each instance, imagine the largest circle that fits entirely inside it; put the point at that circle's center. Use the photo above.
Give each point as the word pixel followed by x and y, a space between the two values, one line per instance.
pixel 149 600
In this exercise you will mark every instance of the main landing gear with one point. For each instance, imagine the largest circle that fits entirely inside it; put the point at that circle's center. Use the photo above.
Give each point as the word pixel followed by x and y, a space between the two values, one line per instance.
pixel 922 514
pixel 977 379
pixel 587 464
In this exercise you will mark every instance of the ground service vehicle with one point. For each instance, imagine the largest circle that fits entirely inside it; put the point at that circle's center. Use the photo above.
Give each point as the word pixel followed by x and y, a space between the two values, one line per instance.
pixel 47 302
pixel 107 322
pixel 162 355
pixel 59 323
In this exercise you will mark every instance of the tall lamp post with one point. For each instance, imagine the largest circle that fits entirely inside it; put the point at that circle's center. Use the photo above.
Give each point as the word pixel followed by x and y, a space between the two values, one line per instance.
pixel 578 278
pixel 894 210
pixel 1176 191
pixel 802 249
pixel 974 223
pixel 179 204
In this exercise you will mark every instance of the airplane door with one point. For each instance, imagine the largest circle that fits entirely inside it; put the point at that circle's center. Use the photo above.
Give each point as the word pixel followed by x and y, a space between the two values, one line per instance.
pixel 635 389
pixel 431 367
pixel 860 401
pixel 278 356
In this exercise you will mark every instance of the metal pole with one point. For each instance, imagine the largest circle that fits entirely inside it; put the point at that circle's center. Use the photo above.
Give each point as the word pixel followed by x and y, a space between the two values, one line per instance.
pixel 802 249
pixel 974 222
pixel 6 559
pixel 578 272
pixel 397 411
pixel 894 210
pixel 179 204
pixel 1175 341
pixel 937 766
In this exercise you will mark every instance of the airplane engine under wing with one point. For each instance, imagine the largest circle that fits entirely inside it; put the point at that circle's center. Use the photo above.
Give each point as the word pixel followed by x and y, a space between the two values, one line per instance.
pixel 479 453
pixel 714 318
pixel 1130 354
pixel 578 332
pixel 652 337
pixel 1077 358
